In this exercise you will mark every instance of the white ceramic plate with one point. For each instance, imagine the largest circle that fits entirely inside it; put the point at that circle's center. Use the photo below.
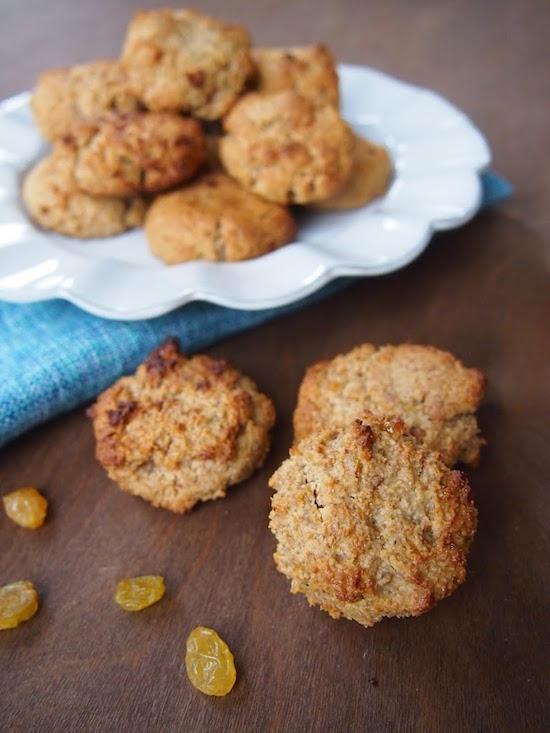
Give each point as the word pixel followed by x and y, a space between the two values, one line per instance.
pixel 437 153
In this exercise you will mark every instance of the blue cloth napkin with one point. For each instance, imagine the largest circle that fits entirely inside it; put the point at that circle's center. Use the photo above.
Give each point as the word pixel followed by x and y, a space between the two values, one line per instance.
pixel 54 356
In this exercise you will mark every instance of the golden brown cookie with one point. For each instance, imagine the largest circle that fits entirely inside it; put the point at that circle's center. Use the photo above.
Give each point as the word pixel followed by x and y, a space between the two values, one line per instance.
pixel 54 201
pixel 287 149
pixel 64 96
pixel 144 152
pixel 182 60
pixel 215 218
pixel 369 523
pixel 308 70
pixel 181 430
pixel 370 177
pixel 430 389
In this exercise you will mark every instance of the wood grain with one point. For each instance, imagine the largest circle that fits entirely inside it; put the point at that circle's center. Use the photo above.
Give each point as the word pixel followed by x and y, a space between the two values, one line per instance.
pixel 478 662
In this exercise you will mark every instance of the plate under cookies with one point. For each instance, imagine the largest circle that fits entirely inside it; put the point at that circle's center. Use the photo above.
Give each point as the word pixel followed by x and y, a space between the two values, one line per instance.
pixel 438 155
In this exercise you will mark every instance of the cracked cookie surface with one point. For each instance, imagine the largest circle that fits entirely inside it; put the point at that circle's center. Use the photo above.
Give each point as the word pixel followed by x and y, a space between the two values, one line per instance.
pixel 143 152
pixel 214 218
pixel 308 70
pixel 182 60
pixel 181 430
pixel 62 97
pixel 54 201
pixel 369 523
pixel 287 149
pixel 431 390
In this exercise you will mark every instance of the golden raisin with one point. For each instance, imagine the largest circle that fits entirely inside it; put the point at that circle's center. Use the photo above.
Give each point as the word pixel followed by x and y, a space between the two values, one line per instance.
pixel 209 662
pixel 135 594
pixel 18 603
pixel 26 507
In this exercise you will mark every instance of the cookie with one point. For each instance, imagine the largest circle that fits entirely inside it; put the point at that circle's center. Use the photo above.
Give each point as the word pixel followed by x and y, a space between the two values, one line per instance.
pixel 182 60
pixel 64 96
pixel 369 523
pixel 429 389
pixel 215 218
pixel 308 70
pixel 370 177
pixel 143 152
pixel 54 202
pixel 287 149
pixel 181 430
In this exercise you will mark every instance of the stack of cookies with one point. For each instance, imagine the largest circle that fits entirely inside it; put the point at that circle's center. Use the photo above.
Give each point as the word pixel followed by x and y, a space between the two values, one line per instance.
pixel 199 137
pixel 370 517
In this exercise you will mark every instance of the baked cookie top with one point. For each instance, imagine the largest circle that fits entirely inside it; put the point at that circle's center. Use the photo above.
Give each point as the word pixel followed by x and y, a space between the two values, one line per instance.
pixel 308 70
pixel 182 60
pixel 370 177
pixel 142 152
pixel 54 201
pixel 181 430
pixel 429 389
pixel 285 148
pixel 214 218
pixel 64 96
pixel 369 523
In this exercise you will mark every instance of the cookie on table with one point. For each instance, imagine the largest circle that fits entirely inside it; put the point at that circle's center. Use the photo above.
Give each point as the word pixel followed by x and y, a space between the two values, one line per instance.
pixel 431 390
pixel 182 60
pixel 142 152
pixel 370 178
pixel 64 96
pixel 286 148
pixel 181 430
pixel 55 202
pixel 214 218
pixel 369 523
pixel 308 70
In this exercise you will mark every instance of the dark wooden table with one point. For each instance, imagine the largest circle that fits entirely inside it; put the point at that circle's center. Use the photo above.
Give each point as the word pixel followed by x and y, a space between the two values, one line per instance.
pixel 479 661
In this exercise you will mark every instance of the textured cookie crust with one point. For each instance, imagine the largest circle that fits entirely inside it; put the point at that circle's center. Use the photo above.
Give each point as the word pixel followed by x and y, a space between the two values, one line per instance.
pixel 216 219
pixel 370 177
pixel 143 152
pixel 287 149
pixel 54 202
pixel 64 96
pixel 181 430
pixel 429 389
pixel 181 60
pixel 308 70
pixel 369 523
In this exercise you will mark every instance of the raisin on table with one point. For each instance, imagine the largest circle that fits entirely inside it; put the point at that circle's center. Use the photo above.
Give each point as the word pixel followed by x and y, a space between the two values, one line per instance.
pixel 18 603
pixel 26 507
pixel 209 662
pixel 135 594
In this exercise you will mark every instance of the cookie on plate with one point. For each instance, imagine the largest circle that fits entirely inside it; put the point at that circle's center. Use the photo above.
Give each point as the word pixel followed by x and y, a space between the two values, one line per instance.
pixel 286 148
pixel 370 177
pixel 64 96
pixel 181 430
pixel 143 152
pixel 182 60
pixel 369 523
pixel 214 218
pixel 308 70
pixel 431 390
pixel 55 202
